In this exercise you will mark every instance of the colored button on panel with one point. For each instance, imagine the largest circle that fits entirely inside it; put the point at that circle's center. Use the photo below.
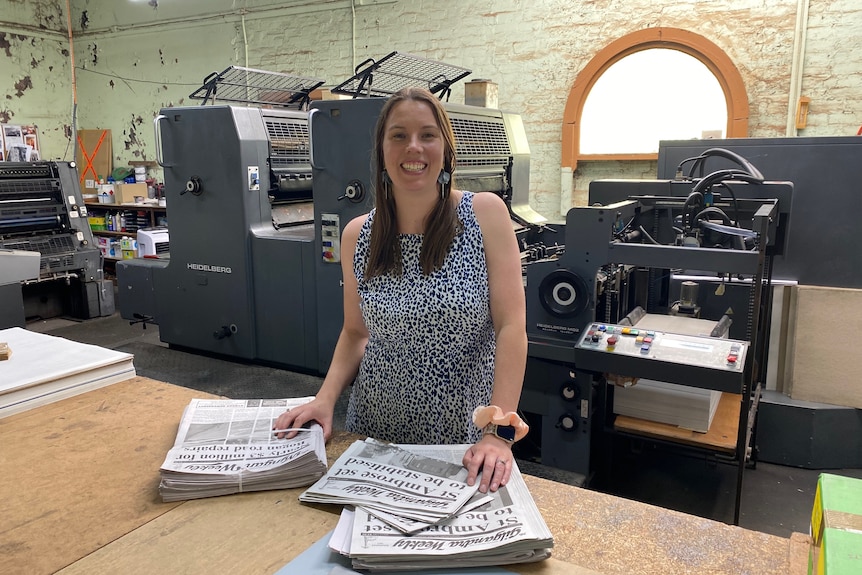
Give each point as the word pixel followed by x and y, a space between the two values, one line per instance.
pixel 648 339
pixel 612 340
pixel 626 330
pixel 639 339
pixel 731 359
pixel 645 348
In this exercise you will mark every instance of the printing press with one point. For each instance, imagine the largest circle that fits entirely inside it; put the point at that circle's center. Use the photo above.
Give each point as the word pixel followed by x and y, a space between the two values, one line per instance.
pixel 258 197
pixel 615 310
pixel 42 211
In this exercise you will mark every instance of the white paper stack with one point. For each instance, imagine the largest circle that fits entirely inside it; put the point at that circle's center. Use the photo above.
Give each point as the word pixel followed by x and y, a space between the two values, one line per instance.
pixel 227 446
pixel 43 368
pixel 384 481
pixel 686 407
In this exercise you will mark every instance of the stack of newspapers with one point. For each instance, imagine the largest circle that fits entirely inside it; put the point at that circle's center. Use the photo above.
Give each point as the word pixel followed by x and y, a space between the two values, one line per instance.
pixel 227 446
pixel 409 508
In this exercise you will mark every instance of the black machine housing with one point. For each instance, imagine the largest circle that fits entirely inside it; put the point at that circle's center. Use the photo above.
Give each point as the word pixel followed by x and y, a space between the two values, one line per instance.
pixel 42 210
pixel 622 256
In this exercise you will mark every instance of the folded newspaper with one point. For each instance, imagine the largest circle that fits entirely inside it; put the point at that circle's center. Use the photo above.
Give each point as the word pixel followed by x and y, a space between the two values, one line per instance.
pixel 227 446
pixel 468 530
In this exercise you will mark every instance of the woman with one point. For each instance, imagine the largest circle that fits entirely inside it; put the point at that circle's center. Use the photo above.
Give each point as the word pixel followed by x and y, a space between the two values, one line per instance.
pixel 434 312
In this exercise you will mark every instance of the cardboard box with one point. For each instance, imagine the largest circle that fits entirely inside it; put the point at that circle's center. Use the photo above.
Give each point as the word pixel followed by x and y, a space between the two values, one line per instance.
pixel 836 526
pixel 125 193
pixel 94 158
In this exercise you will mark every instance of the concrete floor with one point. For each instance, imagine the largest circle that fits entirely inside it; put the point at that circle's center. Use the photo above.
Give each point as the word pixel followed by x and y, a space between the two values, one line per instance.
pixel 775 499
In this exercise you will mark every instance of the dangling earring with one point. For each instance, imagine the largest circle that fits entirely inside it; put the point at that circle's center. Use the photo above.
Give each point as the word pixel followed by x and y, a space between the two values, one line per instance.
pixel 443 179
pixel 387 184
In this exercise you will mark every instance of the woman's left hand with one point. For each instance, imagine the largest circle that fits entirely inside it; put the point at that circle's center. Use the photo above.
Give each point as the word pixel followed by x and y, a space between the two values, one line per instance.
pixel 492 458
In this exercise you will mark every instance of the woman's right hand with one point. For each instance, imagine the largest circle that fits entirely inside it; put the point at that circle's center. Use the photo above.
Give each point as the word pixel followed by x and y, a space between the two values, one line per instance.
pixel 316 410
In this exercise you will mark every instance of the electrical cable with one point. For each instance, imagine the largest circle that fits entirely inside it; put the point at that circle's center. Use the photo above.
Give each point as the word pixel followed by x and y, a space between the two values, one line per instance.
pixel 118 77
pixel 716 211
pixel 727 154
pixel 647 236
pixel 720 175
pixel 687 160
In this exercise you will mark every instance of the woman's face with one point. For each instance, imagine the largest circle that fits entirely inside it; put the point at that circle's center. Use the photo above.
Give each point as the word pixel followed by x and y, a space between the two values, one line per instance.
pixel 413 147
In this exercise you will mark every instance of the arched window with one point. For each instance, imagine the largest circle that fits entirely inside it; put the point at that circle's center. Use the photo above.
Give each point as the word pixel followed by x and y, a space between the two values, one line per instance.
pixel 651 43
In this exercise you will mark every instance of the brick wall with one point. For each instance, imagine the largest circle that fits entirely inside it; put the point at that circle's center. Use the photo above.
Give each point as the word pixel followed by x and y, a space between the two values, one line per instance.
pixel 138 59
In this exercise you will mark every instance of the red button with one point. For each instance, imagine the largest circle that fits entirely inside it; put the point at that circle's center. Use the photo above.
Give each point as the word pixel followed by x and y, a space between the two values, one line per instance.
pixel 731 359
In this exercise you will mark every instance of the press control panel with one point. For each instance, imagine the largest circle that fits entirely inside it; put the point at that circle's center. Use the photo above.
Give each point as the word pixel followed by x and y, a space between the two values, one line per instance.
pixel 696 350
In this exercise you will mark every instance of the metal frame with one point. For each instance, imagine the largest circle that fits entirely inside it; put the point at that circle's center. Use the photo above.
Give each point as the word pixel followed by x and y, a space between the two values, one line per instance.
pixel 397 70
pixel 251 86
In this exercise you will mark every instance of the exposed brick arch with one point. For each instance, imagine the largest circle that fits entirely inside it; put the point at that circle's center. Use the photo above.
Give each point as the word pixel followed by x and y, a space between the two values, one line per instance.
pixel 690 43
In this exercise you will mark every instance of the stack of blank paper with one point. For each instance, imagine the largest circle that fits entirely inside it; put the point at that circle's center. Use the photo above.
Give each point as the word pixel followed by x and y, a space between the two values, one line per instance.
pixel 686 407
pixel 43 368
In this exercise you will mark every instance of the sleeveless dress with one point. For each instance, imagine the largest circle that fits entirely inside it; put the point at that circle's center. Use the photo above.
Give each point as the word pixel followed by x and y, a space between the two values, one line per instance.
pixel 429 360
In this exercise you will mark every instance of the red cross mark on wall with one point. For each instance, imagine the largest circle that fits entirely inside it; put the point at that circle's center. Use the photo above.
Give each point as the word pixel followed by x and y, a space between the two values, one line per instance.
pixel 89 159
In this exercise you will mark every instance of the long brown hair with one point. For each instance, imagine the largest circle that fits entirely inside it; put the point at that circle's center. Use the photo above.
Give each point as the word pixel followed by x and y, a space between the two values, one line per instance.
pixel 441 224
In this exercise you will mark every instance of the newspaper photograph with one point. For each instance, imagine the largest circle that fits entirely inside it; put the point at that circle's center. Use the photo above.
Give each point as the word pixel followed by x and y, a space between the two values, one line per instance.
pixel 395 481
pixel 232 420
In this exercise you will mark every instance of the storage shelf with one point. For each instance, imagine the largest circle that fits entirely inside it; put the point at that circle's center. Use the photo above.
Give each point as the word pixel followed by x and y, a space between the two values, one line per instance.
pixel 153 212
pixel 132 206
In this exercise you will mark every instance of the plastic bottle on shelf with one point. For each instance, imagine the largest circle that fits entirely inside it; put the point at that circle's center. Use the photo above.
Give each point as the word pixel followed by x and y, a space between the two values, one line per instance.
pixel 108 191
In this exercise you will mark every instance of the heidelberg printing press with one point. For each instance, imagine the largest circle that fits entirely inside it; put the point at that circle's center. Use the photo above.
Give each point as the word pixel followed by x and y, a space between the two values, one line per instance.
pixel 42 211
pixel 633 259
pixel 258 197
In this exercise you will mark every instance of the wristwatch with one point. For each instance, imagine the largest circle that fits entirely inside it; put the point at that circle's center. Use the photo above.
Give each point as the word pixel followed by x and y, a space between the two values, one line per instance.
pixel 504 432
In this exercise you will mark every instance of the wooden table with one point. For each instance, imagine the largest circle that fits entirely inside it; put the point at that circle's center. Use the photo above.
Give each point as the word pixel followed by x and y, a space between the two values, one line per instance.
pixel 79 495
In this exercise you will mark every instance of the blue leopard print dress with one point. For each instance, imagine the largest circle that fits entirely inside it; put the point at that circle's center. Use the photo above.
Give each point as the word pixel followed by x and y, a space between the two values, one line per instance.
pixel 430 355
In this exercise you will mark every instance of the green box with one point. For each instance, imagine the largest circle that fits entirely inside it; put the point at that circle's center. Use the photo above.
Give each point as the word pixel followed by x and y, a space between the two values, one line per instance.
pixel 836 526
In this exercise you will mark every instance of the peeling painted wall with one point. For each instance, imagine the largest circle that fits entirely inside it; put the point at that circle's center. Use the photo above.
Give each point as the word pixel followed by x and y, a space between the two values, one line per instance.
pixel 34 62
pixel 135 59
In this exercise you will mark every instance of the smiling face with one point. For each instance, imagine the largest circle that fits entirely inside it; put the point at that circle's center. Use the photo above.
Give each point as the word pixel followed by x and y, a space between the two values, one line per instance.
pixel 413 147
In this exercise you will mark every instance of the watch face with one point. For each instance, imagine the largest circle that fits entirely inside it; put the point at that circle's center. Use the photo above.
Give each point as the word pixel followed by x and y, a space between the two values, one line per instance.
pixel 506 432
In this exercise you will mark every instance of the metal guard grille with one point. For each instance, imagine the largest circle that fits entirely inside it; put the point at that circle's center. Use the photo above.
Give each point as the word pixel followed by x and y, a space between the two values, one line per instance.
pixel 58 252
pixel 19 170
pixel 480 143
pixel 251 86
pixel 34 185
pixel 399 70
pixel 288 142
